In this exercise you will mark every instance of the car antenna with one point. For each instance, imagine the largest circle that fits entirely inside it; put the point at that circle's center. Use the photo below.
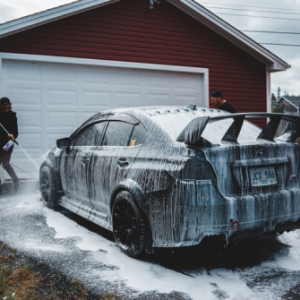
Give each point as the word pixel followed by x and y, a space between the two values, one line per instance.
pixel 191 106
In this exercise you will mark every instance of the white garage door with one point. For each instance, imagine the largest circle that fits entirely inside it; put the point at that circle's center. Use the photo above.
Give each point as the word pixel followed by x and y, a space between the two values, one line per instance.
pixel 53 99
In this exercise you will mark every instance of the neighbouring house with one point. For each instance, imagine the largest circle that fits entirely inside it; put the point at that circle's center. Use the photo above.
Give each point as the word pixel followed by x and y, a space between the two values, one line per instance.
pixel 286 104
pixel 291 103
pixel 62 65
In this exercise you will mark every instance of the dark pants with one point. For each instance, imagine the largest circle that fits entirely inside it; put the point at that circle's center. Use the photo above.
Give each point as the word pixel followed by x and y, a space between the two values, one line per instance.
pixel 4 160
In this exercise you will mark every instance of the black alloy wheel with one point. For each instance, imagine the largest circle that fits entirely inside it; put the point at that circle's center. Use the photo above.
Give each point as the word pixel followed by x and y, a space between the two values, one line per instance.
pixel 48 187
pixel 129 227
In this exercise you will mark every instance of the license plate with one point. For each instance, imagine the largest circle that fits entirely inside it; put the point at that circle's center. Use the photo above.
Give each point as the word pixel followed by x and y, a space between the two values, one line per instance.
pixel 262 176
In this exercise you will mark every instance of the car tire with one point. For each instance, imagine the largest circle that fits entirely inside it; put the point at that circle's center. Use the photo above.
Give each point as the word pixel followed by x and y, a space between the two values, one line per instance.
pixel 129 227
pixel 48 187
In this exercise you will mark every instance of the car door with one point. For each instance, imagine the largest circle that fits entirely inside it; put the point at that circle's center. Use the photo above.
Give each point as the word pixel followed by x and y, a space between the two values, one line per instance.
pixel 122 142
pixel 77 165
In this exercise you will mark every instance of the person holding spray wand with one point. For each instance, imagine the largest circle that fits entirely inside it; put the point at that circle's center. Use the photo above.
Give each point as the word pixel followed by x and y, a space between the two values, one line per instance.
pixel 8 134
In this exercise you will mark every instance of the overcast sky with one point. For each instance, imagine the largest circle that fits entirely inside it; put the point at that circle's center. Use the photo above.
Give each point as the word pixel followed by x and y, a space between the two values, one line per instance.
pixel 257 15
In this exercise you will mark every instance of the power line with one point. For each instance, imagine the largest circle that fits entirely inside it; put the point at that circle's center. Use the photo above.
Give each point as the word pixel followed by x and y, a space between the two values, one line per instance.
pixel 240 15
pixel 268 7
pixel 263 31
pixel 263 17
pixel 288 45
pixel 264 11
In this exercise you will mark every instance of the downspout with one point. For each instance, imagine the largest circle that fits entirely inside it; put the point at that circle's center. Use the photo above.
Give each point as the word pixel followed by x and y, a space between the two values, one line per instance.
pixel 268 90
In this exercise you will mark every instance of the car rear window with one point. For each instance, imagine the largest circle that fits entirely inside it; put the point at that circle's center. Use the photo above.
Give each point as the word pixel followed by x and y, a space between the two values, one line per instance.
pixel 214 132
pixel 138 136
pixel 174 123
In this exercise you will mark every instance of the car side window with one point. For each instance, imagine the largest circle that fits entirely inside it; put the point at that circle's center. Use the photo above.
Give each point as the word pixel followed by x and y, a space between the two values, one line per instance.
pixel 117 134
pixel 138 135
pixel 90 136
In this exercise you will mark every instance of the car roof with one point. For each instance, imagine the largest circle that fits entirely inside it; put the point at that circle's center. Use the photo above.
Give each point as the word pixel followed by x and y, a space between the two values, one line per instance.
pixel 155 110
pixel 164 116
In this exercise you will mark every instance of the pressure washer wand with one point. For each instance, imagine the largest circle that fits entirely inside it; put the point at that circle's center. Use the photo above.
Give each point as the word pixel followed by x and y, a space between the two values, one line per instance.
pixel 8 133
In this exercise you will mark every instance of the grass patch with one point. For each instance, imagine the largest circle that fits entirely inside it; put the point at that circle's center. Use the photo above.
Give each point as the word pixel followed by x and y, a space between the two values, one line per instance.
pixel 22 278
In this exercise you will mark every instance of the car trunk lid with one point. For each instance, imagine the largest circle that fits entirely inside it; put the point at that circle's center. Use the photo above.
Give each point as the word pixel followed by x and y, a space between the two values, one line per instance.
pixel 257 168
pixel 247 159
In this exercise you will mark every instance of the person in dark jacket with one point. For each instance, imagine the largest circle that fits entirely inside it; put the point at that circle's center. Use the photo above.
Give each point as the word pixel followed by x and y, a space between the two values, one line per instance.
pixel 8 120
pixel 219 102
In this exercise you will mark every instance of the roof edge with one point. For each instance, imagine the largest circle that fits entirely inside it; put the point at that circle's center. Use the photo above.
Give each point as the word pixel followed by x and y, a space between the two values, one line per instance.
pixel 50 15
pixel 215 23
pixel 192 8
pixel 289 101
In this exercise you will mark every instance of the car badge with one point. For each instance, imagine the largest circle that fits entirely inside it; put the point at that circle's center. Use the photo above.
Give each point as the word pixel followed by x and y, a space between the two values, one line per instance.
pixel 261 153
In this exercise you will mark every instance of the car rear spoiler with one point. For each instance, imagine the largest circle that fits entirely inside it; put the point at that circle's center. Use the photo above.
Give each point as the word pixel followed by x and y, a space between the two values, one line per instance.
pixel 192 133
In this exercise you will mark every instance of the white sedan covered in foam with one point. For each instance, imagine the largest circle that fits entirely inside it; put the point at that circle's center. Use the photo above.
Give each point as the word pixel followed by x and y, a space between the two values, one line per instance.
pixel 172 177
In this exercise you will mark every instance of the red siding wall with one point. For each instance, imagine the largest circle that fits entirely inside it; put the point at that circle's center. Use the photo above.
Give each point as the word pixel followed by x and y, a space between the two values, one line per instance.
pixel 130 31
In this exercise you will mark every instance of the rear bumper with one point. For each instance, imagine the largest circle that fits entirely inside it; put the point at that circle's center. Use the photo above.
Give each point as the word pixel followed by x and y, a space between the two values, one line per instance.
pixel 264 214
pixel 191 210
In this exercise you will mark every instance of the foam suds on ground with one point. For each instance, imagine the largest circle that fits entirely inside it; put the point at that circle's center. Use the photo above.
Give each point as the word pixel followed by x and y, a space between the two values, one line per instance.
pixel 142 275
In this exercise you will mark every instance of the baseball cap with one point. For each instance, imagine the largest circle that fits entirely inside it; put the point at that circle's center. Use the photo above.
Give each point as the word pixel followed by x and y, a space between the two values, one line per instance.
pixel 216 94
pixel 4 100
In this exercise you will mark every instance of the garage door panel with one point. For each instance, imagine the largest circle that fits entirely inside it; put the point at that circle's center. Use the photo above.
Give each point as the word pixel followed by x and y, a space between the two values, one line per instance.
pixel 52 99
pixel 59 120
pixel 32 96
pixel 20 72
pixel 127 79
pixel 29 119
pixel 160 80
pixel 157 99
pixel 59 98
pixel 87 114
pixel 188 82
pixel 96 99
pixel 184 100
pixel 128 99
pixel 60 74
pixel 30 141
pixel 95 77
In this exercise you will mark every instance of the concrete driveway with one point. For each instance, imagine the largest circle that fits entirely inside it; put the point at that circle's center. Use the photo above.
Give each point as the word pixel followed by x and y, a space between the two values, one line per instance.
pixel 263 270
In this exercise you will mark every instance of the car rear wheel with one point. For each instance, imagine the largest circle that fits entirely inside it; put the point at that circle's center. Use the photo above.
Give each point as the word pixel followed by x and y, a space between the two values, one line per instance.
pixel 48 187
pixel 129 227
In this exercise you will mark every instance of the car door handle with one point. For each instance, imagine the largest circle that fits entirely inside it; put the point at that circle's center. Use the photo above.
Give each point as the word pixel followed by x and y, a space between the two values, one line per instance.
pixel 122 162
pixel 85 161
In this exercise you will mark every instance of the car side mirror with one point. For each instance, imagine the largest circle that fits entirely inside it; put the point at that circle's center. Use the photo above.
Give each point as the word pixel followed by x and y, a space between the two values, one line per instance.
pixel 64 144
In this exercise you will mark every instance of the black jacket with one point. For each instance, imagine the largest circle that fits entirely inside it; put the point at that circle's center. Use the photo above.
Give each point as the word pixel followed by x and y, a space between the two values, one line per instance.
pixel 228 107
pixel 9 121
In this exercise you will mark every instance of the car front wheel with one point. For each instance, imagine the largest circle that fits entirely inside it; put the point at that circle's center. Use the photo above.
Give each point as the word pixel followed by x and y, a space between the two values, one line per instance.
pixel 48 187
pixel 129 227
